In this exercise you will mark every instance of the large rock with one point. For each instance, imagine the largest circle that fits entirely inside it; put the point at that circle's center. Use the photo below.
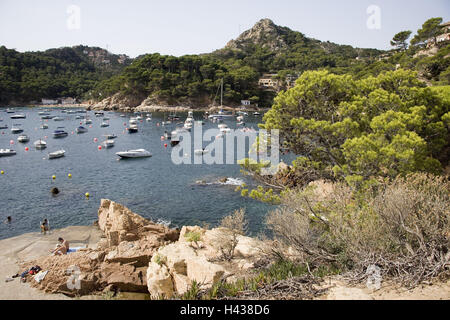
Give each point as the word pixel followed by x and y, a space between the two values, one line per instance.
pixel 120 224
pixel 159 281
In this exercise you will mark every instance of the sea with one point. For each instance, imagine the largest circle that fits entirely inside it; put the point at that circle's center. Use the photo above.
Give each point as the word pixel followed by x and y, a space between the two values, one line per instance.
pixel 155 188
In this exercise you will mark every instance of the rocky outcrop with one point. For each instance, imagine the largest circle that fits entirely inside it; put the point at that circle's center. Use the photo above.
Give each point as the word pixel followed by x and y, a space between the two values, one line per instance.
pixel 264 33
pixel 119 102
pixel 196 256
pixel 120 261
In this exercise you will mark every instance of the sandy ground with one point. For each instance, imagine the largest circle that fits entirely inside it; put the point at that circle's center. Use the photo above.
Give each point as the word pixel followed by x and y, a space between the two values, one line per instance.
pixel 30 246
pixel 339 290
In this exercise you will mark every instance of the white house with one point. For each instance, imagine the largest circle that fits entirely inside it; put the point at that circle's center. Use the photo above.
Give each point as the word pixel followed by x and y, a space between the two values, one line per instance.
pixel 49 101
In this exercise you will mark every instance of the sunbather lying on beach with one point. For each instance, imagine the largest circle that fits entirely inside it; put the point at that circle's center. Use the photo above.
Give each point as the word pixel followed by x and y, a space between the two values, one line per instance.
pixel 61 248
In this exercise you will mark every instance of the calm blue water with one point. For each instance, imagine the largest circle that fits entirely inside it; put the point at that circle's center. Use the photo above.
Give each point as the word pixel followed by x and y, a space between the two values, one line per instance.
pixel 152 187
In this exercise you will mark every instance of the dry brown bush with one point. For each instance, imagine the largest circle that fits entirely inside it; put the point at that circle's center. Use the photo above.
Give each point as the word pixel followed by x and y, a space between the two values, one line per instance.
pixel 403 228
pixel 233 226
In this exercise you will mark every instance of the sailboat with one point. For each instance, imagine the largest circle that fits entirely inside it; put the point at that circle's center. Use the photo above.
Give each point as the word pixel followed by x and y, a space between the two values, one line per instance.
pixel 221 114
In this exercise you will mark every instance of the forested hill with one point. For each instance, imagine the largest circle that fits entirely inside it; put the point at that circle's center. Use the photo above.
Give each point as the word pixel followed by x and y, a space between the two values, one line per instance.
pixel 266 48
pixel 63 72
pixel 192 80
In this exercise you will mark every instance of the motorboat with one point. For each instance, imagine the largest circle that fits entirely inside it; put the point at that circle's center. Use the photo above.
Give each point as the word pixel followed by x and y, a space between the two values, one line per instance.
pixel 59 133
pixel 256 113
pixel 242 113
pixel 16 129
pixel 4 126
pixel 201 151
pixel 81 129
pixel 133 129
pixel 47 117
pixel 79 117
pixel 167 135
pixel 122 116
pixel 133 121
pixel 240 118
pixel 138 118
pixel 56 154
pixel 44 126
pixel 58 119
pixel 87 121
pixel 8 110
pixel 40 144
pixel 139 153
pixel 99 114
pixel 18 116
pixel 110 136
pixel 108 143
pixel 7 152
pixel 222 126
pixel 148 119
pixel 23 138
pixel 105 118
pixel 104 124
pixel 44 113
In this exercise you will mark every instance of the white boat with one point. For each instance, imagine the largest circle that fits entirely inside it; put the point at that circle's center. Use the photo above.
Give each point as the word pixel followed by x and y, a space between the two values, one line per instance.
pixel 5 126
pixel 133 128
pixel 9 110
pixel 40 144
pixel 56 154
pixel 104 124
pixel 148 119
pixel 222 126
pixel 81 129
pixel 256 113
pixel 58 119
pixel 108 143
pixel 105 118
pixel 138 118
pixel 240 118
pixel 138 153
pixel 7 152
pixel 18 116
pixel 16 129
pixel 23 138
pixel 44 126
pixel 79 117
pixel 88 121
pixel 59 133
pixel 110 136
pixel 167 135
pixel 122 116
pixel 133 121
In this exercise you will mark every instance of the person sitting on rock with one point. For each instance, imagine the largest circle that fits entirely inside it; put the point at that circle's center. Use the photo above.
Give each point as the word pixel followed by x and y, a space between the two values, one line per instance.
pixel 61 248
pixel 44 226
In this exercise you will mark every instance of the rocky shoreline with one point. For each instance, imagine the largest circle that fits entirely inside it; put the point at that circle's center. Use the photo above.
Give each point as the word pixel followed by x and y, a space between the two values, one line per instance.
pixel 127 254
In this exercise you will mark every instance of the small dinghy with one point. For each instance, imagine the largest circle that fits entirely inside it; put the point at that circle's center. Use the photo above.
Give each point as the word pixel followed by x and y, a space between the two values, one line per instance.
pixel 40 144
pixel 138 153
pixel 108 143
pixel 58 119
pixel 7 152
pixel 23 138
pixel 59 133
pixel 110 136
pixel 56 154
pixel 44 126
pixel 81 129
pixel 16 129
pixel 104 124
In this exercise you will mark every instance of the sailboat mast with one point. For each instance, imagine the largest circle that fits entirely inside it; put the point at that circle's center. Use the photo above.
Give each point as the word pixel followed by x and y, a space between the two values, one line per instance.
pixel 221 93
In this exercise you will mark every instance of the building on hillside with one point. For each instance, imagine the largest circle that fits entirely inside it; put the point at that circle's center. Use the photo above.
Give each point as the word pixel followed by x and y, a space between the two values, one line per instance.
pixel 268 81
pixel 245 102
pixel 49 101
pixel 68 100
pixel 290 80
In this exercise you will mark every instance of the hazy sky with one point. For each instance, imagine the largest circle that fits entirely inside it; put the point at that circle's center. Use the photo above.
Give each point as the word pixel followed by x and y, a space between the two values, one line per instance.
pixel 180 27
